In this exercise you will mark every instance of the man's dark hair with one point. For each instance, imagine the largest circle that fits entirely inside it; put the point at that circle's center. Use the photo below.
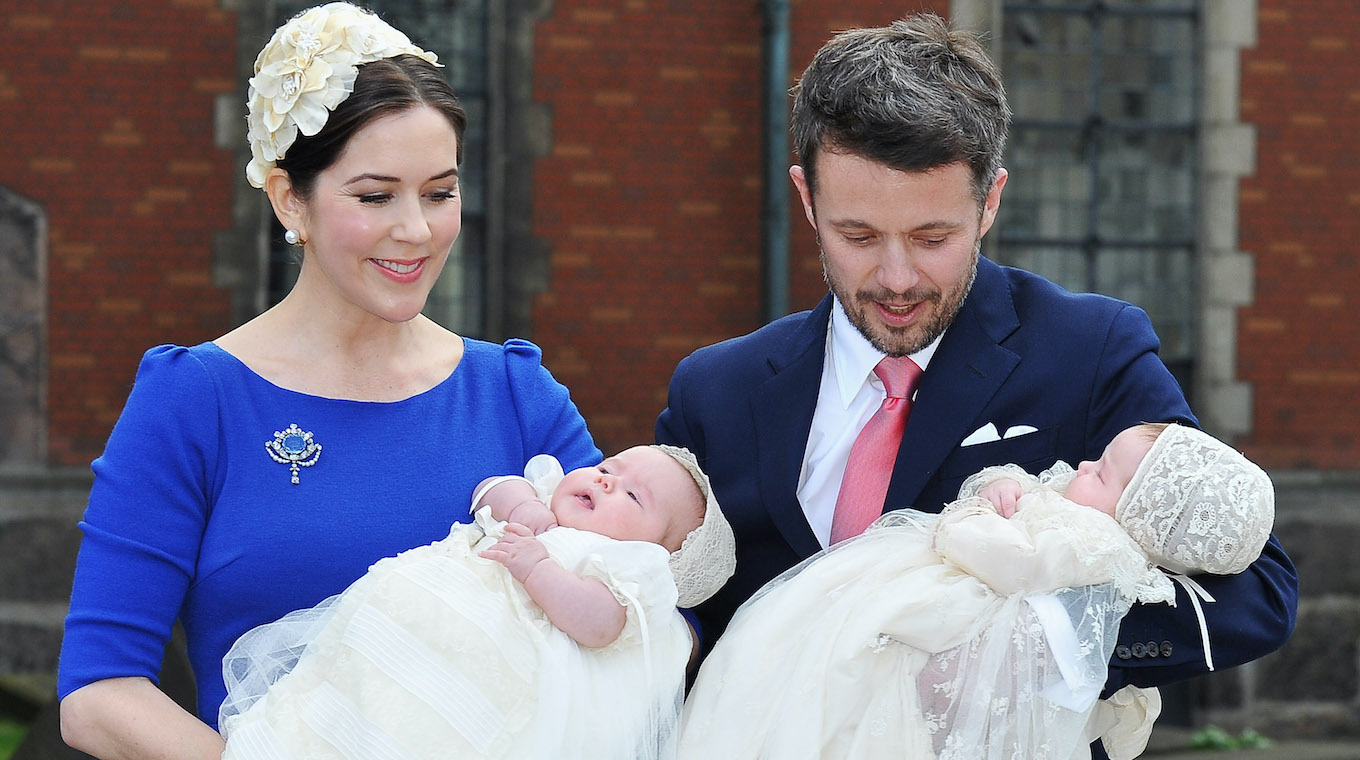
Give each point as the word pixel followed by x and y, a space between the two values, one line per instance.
pixel 913 96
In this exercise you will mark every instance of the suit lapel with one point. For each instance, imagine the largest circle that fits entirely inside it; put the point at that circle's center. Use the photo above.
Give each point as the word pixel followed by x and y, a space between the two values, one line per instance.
pixel 783 406
pixel 965 373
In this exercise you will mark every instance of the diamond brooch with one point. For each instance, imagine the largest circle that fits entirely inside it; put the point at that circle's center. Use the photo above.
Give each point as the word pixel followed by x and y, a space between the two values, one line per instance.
pixel 295 448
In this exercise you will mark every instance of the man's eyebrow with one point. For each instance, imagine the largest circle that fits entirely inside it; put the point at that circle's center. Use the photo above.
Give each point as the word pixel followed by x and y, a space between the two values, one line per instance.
pixel 936 225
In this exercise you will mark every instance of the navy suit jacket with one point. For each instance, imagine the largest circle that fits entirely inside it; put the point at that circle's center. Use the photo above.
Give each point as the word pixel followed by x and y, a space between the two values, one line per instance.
pixel 1022 351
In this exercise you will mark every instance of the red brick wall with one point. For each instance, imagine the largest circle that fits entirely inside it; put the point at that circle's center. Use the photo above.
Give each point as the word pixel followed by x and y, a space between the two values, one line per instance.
pixel 1299 342
pixel 106 117
pixel 651 197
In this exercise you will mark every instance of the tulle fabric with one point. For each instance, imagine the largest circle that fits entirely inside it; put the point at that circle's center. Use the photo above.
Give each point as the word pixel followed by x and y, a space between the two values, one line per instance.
pixel 890 645
pixel 440 653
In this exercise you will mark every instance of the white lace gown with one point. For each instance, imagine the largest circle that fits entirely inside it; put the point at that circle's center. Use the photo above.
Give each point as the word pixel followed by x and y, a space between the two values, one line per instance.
pixel 958 635
pixel 438 652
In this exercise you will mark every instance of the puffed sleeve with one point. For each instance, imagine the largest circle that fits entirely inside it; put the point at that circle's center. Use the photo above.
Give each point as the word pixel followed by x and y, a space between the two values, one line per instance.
pixel 549 420
pixel 144 523
pixel 638 573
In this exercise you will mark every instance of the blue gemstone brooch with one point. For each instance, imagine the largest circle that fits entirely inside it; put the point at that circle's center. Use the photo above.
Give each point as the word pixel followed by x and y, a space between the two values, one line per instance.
pixel 295 448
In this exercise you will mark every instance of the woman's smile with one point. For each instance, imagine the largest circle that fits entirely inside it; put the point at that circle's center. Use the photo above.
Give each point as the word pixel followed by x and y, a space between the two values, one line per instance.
pixel 399 270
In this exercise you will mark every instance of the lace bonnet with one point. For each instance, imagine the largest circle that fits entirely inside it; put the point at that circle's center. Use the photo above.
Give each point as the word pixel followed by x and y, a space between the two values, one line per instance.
pixel 708 556
pixel 1197 505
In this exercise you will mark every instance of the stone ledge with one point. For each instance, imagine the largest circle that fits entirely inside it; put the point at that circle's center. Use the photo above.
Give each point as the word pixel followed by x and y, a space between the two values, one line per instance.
pixel 37 558
pixel 1293 720
pixel 59 494
pixel 28 648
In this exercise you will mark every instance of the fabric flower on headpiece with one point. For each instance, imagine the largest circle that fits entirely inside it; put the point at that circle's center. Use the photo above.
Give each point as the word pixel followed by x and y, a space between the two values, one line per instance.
pixel 307 69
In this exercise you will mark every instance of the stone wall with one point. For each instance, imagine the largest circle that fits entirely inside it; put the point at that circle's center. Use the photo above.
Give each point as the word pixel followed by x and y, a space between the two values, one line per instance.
pixel 39 510
pixel 1310 688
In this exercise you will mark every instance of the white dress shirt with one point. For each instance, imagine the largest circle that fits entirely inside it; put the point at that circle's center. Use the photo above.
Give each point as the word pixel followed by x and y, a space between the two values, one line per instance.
pixel 849 395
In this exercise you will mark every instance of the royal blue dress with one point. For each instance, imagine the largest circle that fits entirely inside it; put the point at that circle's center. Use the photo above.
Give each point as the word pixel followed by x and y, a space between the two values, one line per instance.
pixel 194 514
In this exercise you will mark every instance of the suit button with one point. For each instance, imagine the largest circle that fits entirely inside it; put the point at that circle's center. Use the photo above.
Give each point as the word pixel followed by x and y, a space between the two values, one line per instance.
pixel 1166 648
pixel 1152 649
pixel 1139 650
pixel 1122 651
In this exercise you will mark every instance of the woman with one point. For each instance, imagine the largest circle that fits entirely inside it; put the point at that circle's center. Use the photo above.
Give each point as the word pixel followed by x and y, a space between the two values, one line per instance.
pixel 266 470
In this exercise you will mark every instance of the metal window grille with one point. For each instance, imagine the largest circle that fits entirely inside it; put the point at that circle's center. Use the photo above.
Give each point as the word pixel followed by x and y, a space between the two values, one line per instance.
pixel 1102 193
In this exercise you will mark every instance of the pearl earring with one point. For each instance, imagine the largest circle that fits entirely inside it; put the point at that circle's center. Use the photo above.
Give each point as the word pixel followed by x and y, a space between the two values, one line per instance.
pixel 292 237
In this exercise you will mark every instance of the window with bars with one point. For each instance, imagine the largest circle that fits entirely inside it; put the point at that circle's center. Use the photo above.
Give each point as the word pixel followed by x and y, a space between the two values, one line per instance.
pixel 1102 156
pixel 455 30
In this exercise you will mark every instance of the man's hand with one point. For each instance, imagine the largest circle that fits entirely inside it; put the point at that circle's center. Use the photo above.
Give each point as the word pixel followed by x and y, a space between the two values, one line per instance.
pixel 1004 495
pixel 518 550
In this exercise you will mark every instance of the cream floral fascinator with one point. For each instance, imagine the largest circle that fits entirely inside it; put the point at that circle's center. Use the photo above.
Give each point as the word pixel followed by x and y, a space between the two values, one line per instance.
pixel 307 69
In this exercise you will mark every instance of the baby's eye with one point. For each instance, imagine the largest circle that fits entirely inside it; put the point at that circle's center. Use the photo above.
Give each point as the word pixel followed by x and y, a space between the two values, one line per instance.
pixel 634 497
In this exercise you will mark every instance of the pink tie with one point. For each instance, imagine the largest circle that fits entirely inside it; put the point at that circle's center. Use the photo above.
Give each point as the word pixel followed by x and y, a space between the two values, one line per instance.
pixel 867 472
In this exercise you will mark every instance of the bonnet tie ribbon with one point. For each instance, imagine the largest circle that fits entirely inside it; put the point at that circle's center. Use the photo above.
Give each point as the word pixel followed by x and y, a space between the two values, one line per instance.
pixel 1197 592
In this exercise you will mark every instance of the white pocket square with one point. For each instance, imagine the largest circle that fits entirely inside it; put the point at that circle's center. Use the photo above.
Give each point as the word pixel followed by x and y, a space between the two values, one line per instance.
pixel 985 434
pixel 1016 431
pixel 988 433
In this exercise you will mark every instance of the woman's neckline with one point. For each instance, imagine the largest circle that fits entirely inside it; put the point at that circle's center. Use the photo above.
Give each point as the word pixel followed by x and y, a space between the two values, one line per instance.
pixel 253 372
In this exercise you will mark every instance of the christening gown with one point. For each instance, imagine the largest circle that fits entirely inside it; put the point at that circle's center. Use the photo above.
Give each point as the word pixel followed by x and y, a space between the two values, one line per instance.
pixel 438 652
pixel 961 635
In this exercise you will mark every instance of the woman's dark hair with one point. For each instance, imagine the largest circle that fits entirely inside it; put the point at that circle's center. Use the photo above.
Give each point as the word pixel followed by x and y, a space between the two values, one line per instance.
pixel 382 88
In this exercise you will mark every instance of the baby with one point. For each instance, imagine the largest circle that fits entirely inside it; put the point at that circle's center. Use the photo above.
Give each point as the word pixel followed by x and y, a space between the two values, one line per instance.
pixel 984 631
pixel 546 628
pixel 639 494
pixel 1097 484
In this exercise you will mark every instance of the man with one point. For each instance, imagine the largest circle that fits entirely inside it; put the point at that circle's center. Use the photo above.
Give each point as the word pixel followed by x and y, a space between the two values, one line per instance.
pixel 899 133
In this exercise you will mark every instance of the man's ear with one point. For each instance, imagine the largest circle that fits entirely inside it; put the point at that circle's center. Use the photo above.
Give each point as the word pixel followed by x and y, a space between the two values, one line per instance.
pixel 799 178
pixel 289 207
pixel 993 202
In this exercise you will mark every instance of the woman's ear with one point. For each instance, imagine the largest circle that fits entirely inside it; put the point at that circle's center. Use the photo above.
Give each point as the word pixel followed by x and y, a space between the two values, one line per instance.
pixel 289 207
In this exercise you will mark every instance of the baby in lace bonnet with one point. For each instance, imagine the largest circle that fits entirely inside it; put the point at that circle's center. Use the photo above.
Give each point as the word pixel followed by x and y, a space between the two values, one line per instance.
pixel 1191 502
pixel 637 494
pixel 553 613
pixel 984 631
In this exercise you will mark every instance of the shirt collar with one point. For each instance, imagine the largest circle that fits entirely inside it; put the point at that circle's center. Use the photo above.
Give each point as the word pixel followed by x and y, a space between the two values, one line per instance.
pixel 853 357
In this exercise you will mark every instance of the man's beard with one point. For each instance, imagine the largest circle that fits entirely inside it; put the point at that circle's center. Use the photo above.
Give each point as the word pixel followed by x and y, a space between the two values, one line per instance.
pixel 907 340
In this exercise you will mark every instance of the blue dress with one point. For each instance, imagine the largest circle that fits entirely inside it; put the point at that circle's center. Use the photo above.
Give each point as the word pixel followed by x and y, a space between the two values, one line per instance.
pixel 193 517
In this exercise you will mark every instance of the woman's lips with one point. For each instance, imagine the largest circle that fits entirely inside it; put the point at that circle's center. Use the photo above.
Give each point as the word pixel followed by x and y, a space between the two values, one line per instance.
pixel 400 270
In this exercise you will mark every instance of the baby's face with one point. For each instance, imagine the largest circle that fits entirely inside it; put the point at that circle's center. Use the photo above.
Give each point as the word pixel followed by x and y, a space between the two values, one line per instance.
pixel 635 495
pixel 1099 484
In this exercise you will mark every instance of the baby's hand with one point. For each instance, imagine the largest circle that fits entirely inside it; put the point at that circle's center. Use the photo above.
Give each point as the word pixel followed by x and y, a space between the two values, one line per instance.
pixel 535 516
pixel 1004 495
pixel 518 550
